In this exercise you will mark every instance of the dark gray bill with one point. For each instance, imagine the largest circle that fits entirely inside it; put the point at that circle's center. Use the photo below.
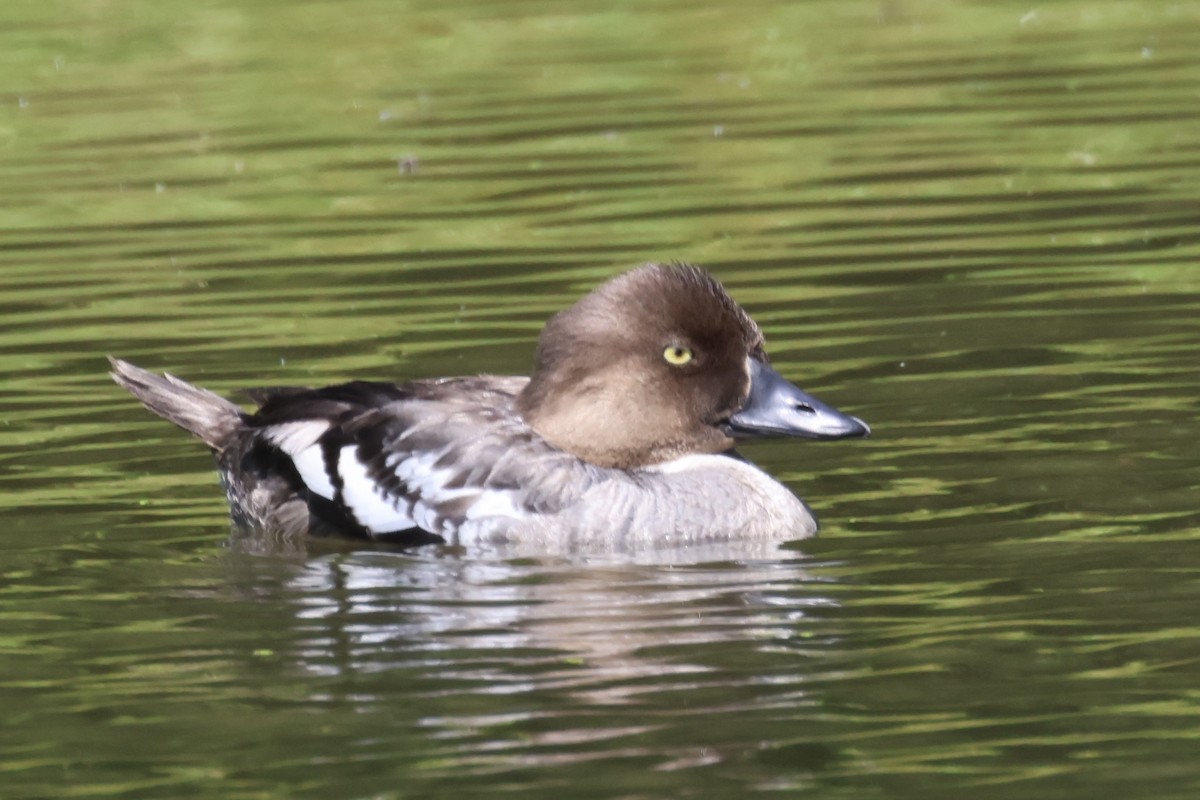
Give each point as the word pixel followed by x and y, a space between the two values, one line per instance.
pixel 776 407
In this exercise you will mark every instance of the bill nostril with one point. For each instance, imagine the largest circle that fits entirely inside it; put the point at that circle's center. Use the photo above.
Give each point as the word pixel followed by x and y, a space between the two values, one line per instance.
pixel 805 408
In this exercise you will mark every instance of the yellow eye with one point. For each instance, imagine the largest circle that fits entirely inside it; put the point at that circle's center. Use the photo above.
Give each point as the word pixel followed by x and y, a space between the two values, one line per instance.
pixel 676 355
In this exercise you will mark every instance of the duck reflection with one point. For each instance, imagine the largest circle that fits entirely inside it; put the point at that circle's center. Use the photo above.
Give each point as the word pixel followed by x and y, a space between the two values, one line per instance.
pixel 544 622
pixel 680 658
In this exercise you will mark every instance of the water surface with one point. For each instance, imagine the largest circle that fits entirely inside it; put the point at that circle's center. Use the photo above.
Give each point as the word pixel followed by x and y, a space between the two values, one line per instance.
pixel 973 224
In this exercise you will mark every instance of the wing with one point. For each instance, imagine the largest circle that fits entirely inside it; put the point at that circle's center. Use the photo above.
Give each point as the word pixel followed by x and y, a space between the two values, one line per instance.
pixel 439 456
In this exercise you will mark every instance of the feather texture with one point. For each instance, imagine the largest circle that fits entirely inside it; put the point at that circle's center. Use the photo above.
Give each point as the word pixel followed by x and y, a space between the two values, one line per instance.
pixel 431 455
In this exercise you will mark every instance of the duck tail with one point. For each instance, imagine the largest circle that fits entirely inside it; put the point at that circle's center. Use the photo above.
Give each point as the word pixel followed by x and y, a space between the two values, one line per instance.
pixel 198 411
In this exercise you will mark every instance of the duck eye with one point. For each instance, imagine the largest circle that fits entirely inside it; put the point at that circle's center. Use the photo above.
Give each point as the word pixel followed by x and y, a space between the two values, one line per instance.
pixel 676 355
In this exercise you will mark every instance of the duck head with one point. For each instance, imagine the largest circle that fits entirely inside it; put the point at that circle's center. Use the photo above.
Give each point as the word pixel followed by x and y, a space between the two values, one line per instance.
pixel 659 363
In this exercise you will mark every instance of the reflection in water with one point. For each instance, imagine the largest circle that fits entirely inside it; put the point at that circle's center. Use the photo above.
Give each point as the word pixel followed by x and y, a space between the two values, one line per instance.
pixel 596 619
pixel 604 636
pixel 979 219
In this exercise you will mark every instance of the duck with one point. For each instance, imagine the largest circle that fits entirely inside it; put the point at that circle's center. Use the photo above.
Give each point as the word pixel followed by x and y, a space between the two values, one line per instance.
pixel 624 435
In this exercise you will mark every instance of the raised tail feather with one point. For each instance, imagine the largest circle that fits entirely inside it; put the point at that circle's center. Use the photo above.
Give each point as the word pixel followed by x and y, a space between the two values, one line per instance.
pixel 198 411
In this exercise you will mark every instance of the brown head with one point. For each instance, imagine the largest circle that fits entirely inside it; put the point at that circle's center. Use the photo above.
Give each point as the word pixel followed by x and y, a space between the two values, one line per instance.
pixel 655 364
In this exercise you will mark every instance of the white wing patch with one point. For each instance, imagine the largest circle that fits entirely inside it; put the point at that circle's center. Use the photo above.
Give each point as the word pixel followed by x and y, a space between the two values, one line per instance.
pixel 423 506
pixel 294 437
pixel 428 482
pixel 495 504
pixel 362 497
pixel 310 463
pixel 418 472
pixel 299 440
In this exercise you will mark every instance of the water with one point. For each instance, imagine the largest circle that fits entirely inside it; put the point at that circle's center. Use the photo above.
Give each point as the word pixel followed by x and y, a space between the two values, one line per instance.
pixel 973 224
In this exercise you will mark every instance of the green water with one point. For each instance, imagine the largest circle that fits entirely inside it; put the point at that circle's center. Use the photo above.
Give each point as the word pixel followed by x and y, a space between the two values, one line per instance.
pixel 976 225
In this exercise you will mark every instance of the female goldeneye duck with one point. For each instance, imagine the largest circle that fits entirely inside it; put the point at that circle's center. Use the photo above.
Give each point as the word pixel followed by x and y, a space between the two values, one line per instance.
pixel 622 435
